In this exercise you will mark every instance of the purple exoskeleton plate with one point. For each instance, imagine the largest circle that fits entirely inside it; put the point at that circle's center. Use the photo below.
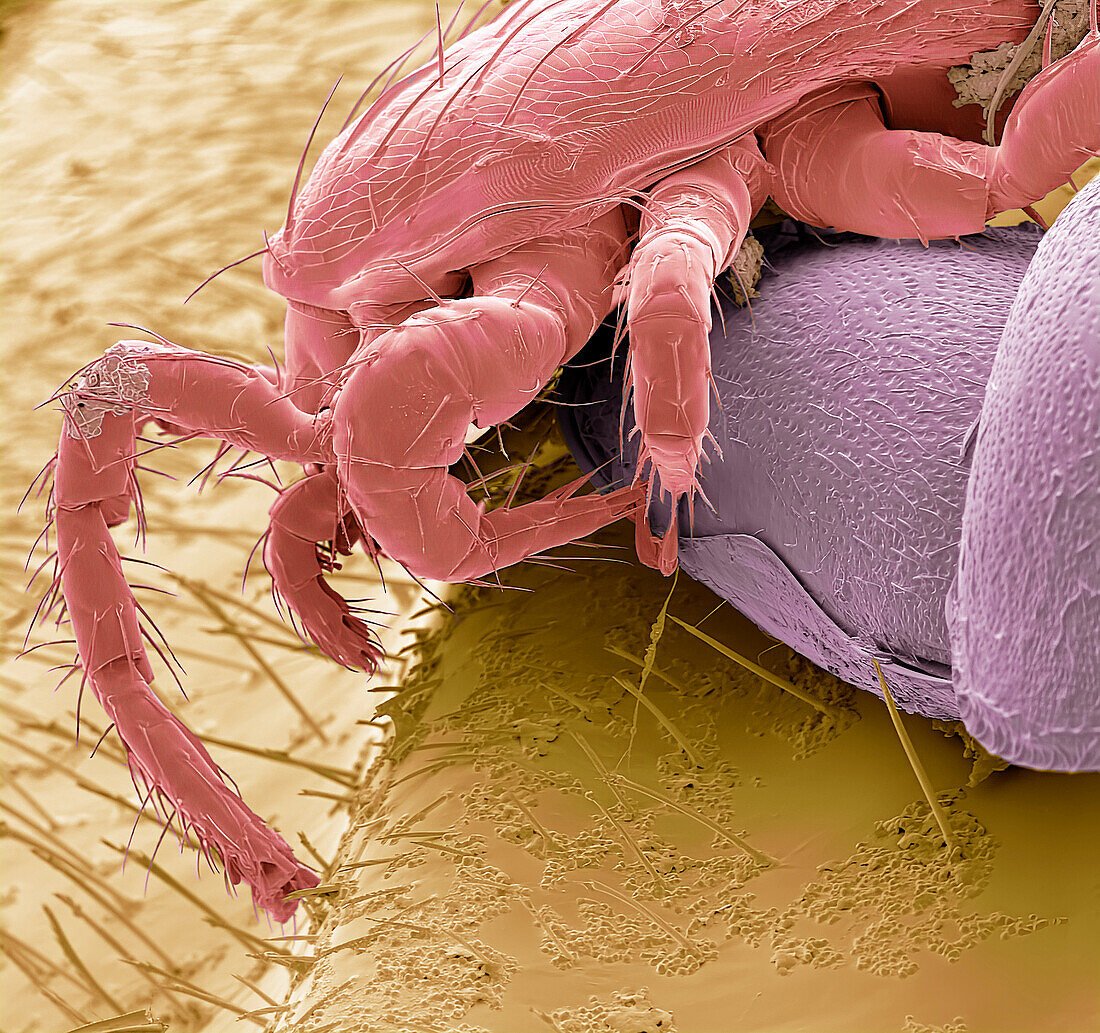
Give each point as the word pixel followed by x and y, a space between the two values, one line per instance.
pixel 854 466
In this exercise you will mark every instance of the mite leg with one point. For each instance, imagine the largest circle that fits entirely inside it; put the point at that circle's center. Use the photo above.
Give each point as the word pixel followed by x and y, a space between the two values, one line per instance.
pixel 310 512
pixel 94 484
pixel 1053 127
pixel 316 342
pixel 691 229
pixel 838 165
pixel 311 521
pixel 401 416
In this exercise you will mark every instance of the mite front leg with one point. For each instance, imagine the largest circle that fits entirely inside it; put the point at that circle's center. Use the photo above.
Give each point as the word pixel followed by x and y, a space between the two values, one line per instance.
pixel 401 418
pixel 310 512
pixel 195 393
pixel 94 484
pixel 691 229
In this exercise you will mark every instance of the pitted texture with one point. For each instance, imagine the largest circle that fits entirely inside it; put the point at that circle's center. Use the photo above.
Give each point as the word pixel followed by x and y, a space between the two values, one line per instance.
pixel 1026 618
pixel 745 571
pixel 847 397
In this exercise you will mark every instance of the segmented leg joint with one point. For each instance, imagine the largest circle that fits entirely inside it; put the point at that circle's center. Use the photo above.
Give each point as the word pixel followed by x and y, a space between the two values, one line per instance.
pixel 116 384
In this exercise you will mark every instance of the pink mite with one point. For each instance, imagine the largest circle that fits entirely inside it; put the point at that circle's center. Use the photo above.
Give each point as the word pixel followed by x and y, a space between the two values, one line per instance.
pixel 463 238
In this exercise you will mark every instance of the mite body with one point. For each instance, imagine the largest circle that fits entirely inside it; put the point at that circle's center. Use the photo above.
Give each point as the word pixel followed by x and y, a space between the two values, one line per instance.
pixel 462 239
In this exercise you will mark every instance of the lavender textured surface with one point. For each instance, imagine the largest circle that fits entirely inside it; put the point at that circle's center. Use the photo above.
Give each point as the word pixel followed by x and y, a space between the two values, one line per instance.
pixel 847 429
pixel 1025 623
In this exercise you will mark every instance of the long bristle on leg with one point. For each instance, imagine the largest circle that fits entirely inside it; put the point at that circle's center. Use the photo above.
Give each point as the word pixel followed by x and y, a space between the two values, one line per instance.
pixel 95 486
pixel 303 519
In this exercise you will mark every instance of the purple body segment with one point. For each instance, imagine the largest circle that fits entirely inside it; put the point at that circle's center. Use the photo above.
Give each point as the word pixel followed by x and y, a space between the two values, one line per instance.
pixel 1025 621
pixel 847 432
